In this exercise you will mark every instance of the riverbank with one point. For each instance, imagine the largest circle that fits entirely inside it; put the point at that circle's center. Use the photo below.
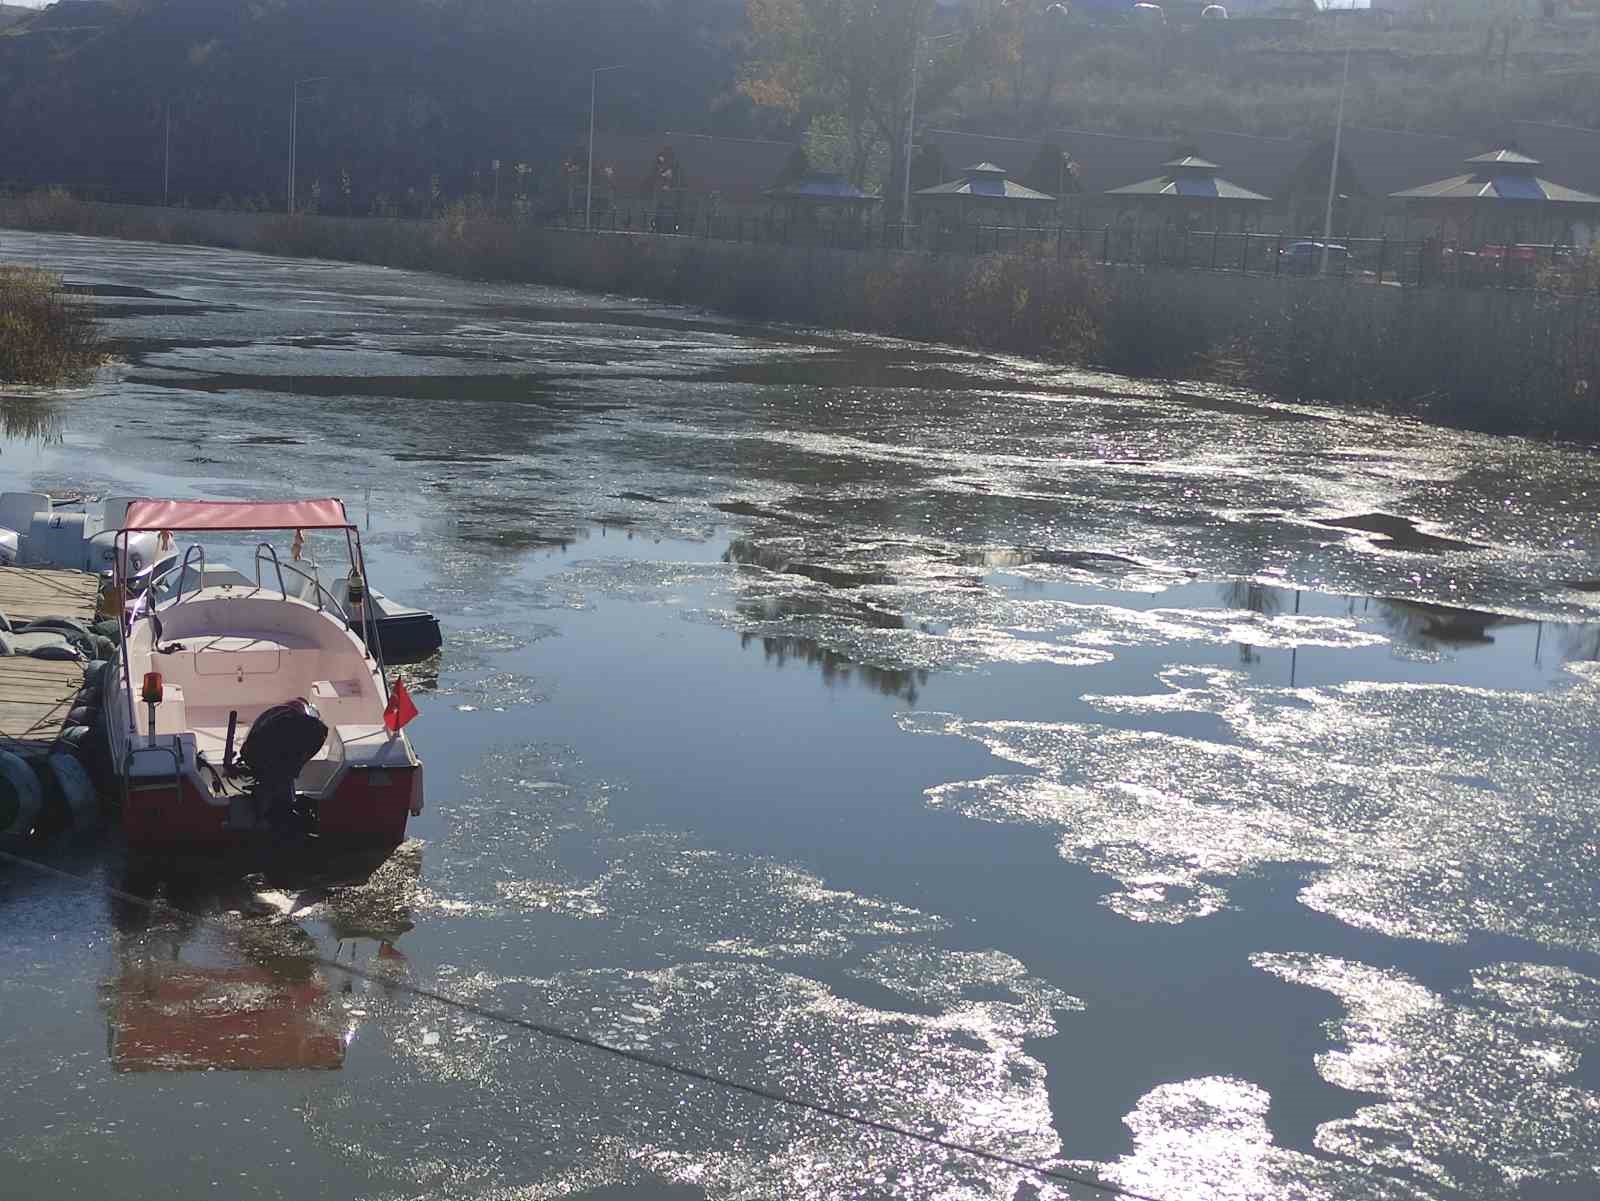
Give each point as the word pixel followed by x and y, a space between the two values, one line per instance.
pixel 47 336
pixel 1500 361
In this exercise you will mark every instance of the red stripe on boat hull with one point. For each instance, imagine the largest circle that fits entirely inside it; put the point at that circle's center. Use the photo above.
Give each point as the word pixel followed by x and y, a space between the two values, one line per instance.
pixel 369 808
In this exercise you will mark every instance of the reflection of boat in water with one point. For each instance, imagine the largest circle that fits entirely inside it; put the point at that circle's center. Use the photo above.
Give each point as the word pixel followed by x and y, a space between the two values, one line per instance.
pixel 170 1016
pixel 253 991
pixel 264 712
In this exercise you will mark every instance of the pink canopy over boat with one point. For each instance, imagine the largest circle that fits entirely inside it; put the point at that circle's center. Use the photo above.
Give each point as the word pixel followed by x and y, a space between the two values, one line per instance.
pixel 325 514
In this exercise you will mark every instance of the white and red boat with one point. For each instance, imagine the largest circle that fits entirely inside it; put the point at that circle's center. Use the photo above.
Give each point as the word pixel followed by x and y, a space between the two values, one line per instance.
pixel 244 709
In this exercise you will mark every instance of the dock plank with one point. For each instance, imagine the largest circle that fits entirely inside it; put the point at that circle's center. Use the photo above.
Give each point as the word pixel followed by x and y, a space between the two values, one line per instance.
pixel 28 593
pixel 37 694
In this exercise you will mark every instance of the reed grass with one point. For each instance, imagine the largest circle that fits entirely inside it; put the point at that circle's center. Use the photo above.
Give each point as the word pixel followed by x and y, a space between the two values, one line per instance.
pixel 1500 361
pixel 47 336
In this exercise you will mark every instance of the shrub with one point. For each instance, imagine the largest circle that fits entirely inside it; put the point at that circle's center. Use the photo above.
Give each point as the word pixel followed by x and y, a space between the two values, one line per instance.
pixel 46 335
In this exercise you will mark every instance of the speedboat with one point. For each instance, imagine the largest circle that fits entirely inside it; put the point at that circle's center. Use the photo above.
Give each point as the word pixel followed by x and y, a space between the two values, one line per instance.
pixel 241 710
pixel 37 530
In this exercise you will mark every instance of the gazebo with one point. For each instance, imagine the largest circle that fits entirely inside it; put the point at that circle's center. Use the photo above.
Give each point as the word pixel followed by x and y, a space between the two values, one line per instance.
pixel 1190 188
pixel 1502 198
pixel 820 193
pixel 821 208
pixel 985 195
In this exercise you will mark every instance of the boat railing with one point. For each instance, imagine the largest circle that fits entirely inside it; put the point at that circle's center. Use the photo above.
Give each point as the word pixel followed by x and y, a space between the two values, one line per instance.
pixel 183 569
pixel 326 601
pixel 268 548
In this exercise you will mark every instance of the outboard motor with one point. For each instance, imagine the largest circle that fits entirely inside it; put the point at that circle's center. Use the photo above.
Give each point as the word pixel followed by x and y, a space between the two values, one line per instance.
pixel 281 742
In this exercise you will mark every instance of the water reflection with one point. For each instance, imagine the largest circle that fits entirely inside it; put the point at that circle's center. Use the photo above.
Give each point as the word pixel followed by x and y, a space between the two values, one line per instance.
pixel 265 1006
pixel 781 649
pixel 34 419
pixel 785 561
pixel 232 977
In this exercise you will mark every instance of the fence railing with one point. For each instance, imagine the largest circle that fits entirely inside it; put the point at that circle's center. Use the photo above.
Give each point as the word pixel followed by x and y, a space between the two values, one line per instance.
pixel 1381 261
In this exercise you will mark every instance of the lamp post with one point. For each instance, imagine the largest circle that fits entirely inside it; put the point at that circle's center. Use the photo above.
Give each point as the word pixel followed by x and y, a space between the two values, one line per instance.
pixel 294 129
pixel 1333 169
pixel 917 51
pixel 588 189
pixel 166 150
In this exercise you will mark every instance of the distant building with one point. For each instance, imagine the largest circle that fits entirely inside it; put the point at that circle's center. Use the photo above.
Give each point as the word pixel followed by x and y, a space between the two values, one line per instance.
pixel 1191 194
pixel 1501 198
pixel 985 194
pixel 819 202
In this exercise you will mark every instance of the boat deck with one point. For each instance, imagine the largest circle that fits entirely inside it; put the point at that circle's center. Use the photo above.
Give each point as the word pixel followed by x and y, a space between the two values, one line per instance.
pixel 36 694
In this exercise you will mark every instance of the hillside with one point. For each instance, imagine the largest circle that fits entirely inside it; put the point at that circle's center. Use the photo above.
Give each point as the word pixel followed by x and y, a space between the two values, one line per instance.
pixel 414 100
pixel 415 96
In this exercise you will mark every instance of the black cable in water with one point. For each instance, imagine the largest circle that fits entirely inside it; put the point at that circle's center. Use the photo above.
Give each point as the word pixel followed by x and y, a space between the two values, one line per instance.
pixel 1055 1175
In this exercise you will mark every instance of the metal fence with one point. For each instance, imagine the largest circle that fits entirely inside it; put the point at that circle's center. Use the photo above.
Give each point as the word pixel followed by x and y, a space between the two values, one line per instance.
pixel 1379 261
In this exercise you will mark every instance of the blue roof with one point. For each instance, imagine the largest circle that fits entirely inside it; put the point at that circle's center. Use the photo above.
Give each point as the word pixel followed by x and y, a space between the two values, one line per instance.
pixel 1518 187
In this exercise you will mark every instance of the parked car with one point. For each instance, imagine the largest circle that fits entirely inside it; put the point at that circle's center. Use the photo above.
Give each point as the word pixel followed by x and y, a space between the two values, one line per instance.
pixel 1213 12
pixel 1305 258
pixel 1148 16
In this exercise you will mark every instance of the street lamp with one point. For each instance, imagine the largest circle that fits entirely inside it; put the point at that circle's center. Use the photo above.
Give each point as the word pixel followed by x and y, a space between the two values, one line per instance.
pixel 917 50
pixel 294 129
pixel 588 190
pixel 166 151
pixel 1333 170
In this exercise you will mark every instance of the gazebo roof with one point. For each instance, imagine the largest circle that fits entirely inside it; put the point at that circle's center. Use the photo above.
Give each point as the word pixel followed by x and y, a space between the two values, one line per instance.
pixel 1506 157
pixel 985 181
pixel 1192 162
pixel 822 187
pixel 1500 175
pixel 1190 178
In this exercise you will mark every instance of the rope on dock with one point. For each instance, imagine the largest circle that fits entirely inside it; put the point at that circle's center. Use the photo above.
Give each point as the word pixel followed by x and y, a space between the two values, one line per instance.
pixel 1044 1171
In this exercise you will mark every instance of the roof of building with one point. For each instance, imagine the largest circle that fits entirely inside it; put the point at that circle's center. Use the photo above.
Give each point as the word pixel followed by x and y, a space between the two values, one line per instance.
pixel 822 187
pixel 1191 184
pixel 1507 157
pixel 1103 161
pixel 986 181
pixel 1494 186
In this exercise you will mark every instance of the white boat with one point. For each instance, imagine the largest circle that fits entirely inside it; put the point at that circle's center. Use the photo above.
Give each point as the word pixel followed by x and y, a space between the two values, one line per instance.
pixel 36 531
pixel 240 707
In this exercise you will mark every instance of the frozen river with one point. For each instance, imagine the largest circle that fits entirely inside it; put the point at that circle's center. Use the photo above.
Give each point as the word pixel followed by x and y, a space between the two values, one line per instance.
pixel 1192 792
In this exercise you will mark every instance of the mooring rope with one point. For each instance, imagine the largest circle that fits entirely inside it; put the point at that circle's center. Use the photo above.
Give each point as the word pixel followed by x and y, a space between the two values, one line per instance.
pixel 643 1058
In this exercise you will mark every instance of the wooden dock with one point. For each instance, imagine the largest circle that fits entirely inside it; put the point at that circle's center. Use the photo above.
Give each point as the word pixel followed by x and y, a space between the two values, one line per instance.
pixel 36 694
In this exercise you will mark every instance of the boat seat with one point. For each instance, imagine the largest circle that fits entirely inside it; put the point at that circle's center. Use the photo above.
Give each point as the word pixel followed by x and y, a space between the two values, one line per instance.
pixel 372 746
pixel 235 643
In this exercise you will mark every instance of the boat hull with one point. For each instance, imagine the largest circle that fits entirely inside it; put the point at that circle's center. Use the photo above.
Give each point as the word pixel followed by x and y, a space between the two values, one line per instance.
pixel 408 636
pixel 368 808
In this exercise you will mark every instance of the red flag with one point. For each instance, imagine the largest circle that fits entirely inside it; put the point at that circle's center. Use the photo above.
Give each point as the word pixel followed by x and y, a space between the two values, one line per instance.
pixel 399 710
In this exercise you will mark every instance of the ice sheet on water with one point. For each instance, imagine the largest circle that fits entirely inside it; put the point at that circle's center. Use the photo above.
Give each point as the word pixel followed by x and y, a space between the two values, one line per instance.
pixel 1421 811
pixel 1475 1089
